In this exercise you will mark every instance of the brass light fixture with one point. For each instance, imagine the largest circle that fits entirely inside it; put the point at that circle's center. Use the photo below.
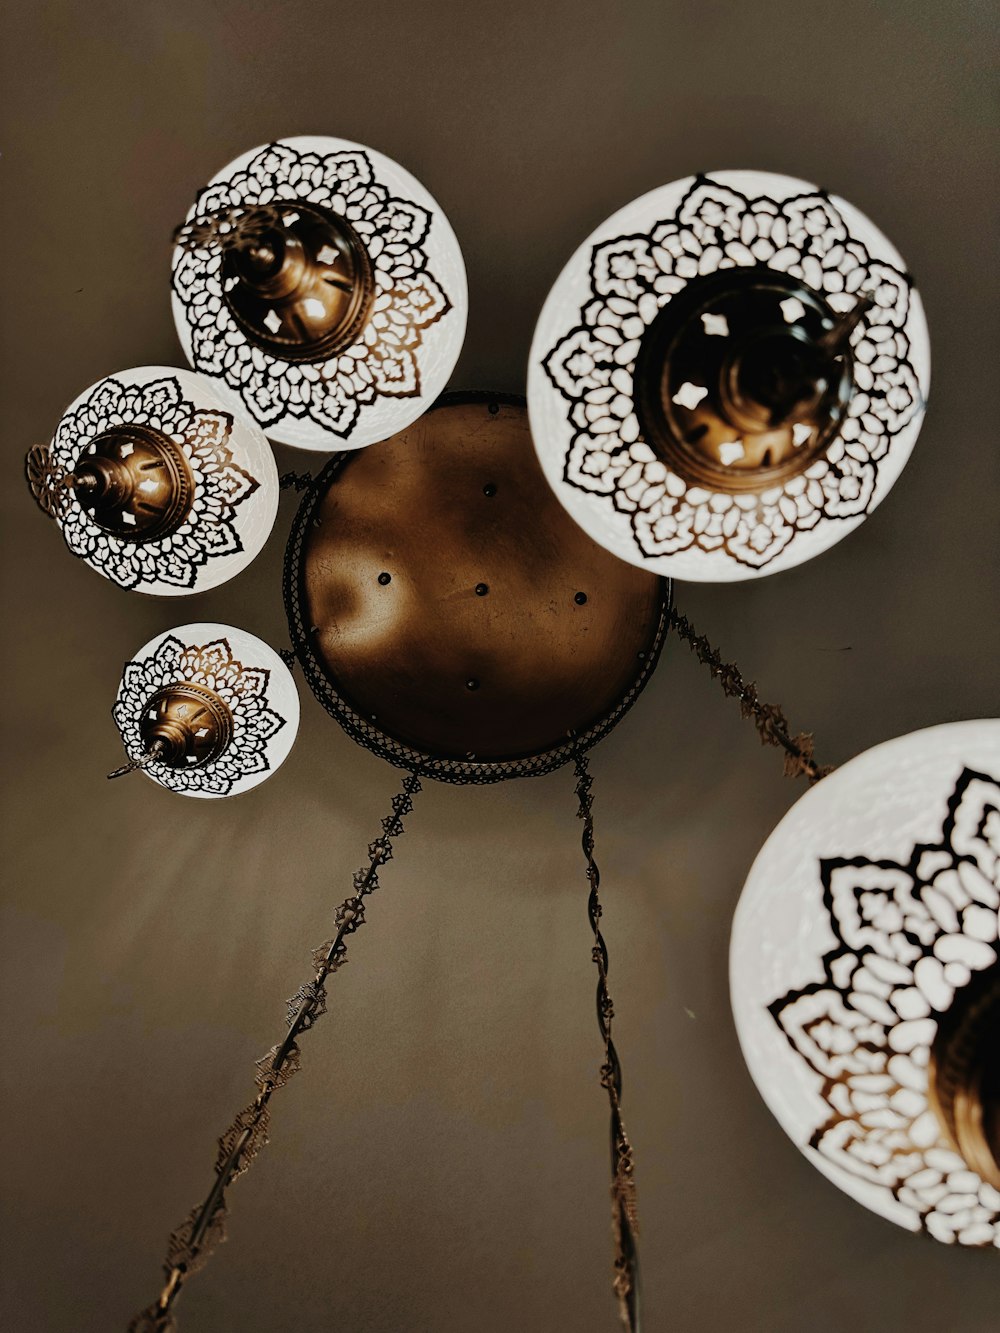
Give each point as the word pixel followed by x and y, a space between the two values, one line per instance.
pixel 725 379
pixel 295 277
pixel 206 710
pixel 322 288
pixel 156 484
pixel 865 977
pixel 774 361
pixel 133 482
pixel 728 375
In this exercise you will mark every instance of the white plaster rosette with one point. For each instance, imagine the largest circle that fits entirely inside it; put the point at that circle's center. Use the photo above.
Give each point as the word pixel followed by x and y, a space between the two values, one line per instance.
pixel 406 352
pixel 580 377
pixel 871 905
pixel 247 675
pixel 235 481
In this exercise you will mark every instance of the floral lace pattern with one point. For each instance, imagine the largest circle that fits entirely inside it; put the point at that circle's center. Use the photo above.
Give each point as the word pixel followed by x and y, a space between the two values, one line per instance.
pixel 633 277
pixel 908 936
pixel 208 530
pixel 244 689
pixel 408 299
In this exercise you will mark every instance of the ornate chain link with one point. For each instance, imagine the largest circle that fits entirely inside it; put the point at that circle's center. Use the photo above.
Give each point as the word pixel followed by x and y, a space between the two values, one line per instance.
pixel 192 1243
pixel 624 1213
pixel 770 721
pixel 143 761
pixel 298 480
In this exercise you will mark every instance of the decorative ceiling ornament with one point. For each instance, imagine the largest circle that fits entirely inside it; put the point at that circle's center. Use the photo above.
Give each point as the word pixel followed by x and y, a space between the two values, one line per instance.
pixel 742 369
pixel 457 622
pixel 865 977
pixel 206 710
pixel 156 483
pixel 728 376
pixel 321 284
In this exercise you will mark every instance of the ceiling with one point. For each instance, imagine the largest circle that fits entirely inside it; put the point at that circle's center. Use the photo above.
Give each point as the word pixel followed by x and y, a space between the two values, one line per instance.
pixel 441 1162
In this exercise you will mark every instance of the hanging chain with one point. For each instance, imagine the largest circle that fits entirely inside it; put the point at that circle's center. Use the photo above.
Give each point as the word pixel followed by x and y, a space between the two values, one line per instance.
pixel 298 480
pixel 144 760
pixel 624 1213
pixel 770 721
pixel 191 1244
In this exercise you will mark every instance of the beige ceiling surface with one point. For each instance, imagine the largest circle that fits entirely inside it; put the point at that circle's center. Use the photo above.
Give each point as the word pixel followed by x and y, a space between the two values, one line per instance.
pixel 440 1163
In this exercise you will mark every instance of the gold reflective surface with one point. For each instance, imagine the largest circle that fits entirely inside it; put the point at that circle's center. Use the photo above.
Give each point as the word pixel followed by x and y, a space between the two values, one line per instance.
pixel 457 604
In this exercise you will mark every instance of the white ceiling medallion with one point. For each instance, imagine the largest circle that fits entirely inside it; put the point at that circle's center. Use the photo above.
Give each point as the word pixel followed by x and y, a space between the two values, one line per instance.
pixel 319 283
pixel 865 978
pixel 206 710
pixel 728 376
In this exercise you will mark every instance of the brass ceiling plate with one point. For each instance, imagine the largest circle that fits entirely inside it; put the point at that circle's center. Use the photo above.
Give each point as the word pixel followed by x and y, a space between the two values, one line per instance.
pixel 448 611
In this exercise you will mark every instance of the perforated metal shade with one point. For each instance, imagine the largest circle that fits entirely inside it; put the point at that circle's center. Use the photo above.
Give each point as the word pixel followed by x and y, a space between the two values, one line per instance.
pixel 341 319
pixel 159 482
pixel 867 926
pixel 727 376
pixel 211 683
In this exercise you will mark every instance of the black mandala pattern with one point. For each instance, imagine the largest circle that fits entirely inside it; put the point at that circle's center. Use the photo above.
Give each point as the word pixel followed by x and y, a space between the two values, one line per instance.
pixel 633 277
pixel 408 298
pixel 908 936
pixel 243 688
pixel 208 530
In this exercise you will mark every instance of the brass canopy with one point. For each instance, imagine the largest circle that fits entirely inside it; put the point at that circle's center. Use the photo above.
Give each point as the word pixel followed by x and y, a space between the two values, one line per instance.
pixel 135 483
pixel 965 1074
pixel 300 289
pixel 455 605
pixel 188 724
pixel 744 378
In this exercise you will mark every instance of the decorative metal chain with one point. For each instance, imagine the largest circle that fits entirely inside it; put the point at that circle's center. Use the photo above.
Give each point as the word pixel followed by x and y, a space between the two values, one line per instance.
pixel 144 760
pixel 241 227
pixel 624 1212
pixel 300 480
pixel 192 1243
pixel 770 721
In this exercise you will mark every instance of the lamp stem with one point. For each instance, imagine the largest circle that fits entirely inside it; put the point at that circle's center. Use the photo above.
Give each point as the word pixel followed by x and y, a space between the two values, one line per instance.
pixel 769 719
pixel 624 1213
pixel 192 1243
